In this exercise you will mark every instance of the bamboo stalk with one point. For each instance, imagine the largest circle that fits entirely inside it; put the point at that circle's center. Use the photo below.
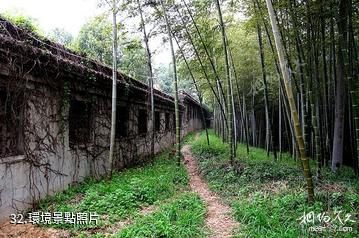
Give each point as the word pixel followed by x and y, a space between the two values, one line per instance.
pixel 287 82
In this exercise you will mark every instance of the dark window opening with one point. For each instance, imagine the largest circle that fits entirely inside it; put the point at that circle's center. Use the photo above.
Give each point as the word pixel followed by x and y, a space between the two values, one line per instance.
pixel 11 136
pixel 79 122
pixel 142 121
pixel 157 121
pixel 122 119
pixel 167 121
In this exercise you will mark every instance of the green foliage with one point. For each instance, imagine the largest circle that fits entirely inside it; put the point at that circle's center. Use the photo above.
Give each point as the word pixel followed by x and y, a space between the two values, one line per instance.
pixel 183 217
pixel 190 137
pixel 163 78
pixel 268 196
pixel 278 215
pixel 216 148
pixel 61 36
pixel 123 196
pixel 243 44
pixel 24 22
pixel 95 40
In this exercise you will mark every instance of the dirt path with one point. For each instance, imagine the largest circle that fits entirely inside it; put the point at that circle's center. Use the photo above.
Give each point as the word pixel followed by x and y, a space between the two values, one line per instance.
pixel 8 230
pixel 218 219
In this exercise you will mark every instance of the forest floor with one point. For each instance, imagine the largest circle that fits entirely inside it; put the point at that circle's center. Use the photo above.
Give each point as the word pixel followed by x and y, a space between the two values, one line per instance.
pixel 152 200
pixel 268 196
pixel 206 196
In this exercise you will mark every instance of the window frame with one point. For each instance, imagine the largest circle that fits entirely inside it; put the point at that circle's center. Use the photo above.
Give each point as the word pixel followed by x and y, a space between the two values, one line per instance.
pixel 87 139
pixel 142 128
pixel 16 123
pixel 120 111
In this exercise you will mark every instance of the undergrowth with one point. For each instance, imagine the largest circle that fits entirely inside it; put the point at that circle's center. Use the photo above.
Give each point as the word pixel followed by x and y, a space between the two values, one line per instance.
pixel 123 195
pixel 184 217
pixel 268 197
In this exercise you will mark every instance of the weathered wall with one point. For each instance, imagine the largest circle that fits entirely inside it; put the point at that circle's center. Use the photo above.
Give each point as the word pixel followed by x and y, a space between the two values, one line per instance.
pixel 50 164
pixel 46 91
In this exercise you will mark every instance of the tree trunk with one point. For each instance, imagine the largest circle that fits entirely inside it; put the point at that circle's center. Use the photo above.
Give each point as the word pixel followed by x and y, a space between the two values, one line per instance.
pixel 202 65
pixel 295 118
pixel 253 121
pixel 229 83
pixel 326 128
pixel 197 89
pixel 207 53
pixel 177 114
pixel 150 80
pixel 280 122
pixel 234 123
pixel 338 143
pixel 114 85
pixel 269 135
pixel 246 129
pixel 239 100
pixel 301 59
pixel 354 92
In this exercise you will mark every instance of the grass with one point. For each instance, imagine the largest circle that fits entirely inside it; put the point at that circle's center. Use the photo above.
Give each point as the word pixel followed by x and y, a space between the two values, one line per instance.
pixel 268 197
pixel 189 137
pixel 183 217
pixel 122 196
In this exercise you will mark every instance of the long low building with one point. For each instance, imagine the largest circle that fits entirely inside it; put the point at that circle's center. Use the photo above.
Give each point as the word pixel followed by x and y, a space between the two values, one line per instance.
pixel 55 119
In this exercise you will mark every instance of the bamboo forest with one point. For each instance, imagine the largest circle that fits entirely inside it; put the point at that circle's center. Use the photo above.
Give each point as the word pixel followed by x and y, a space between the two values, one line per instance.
pixel 179 118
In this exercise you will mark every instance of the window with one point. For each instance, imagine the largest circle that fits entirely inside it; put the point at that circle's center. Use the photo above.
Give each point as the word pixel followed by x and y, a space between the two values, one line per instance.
pixel 79 122
pixel 122 118
pixel 11 136
pixel 189 113
pixel 157 121
pixel 142 121
pixel 167 121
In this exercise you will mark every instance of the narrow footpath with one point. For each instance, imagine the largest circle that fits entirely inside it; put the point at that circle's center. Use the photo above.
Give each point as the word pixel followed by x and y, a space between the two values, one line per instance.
pixel 218 218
